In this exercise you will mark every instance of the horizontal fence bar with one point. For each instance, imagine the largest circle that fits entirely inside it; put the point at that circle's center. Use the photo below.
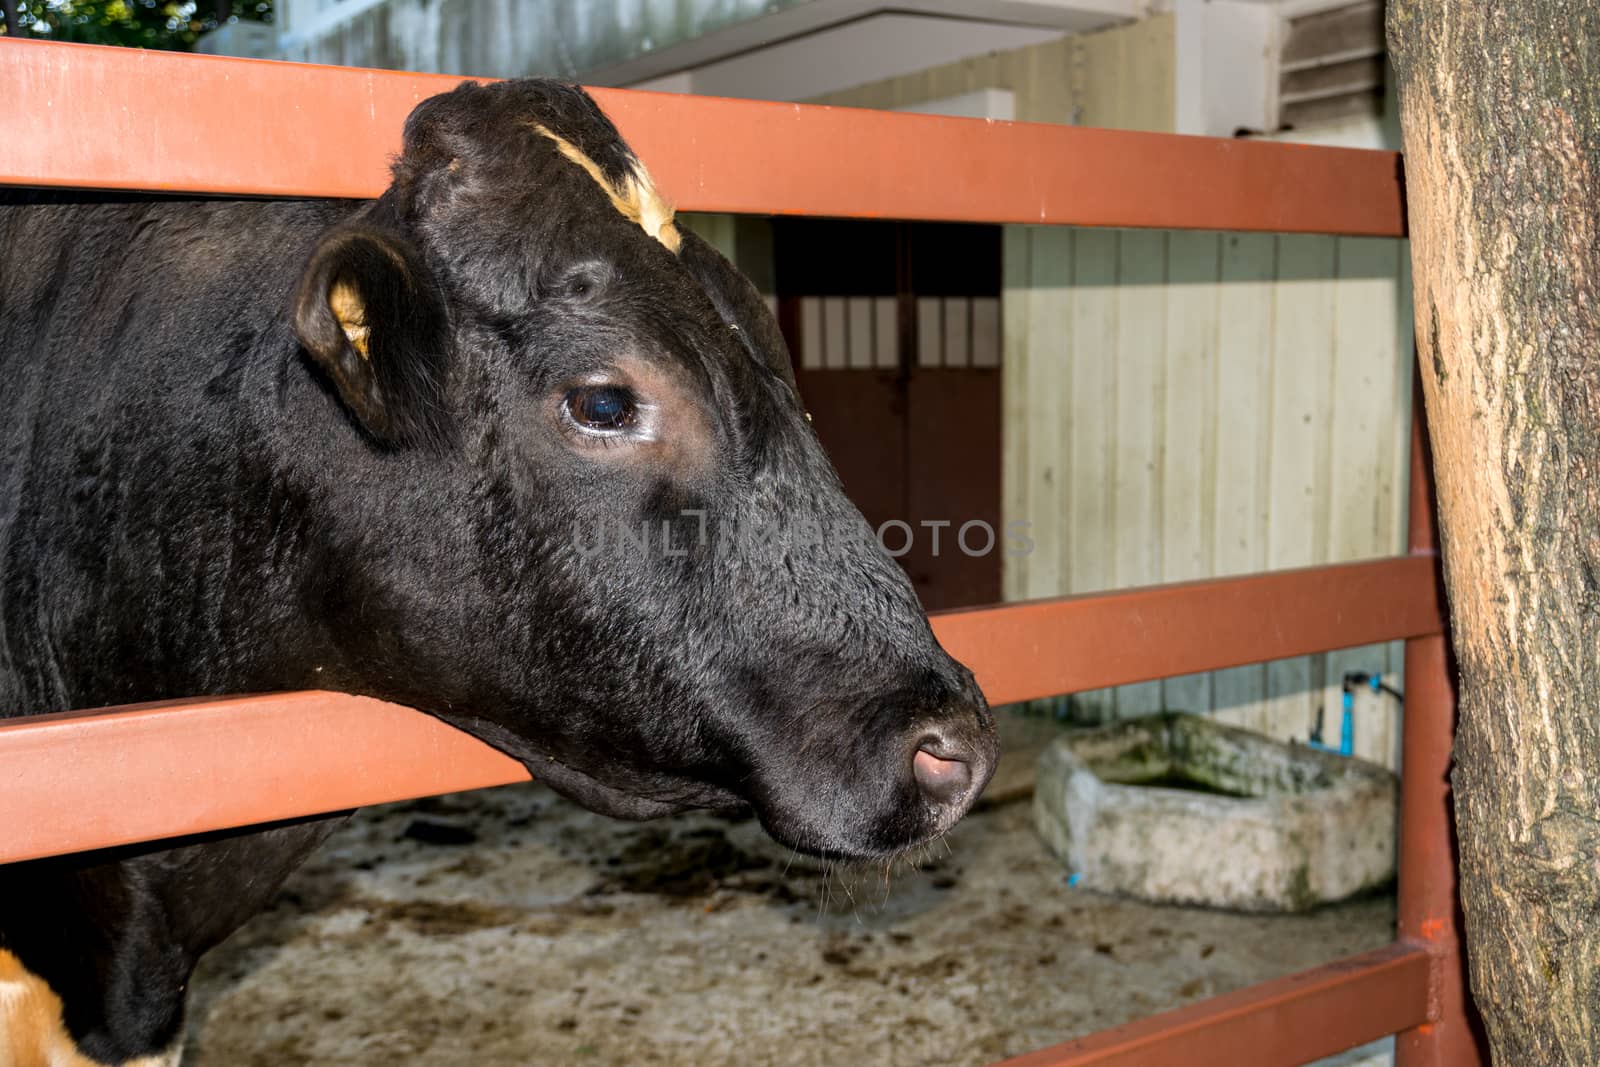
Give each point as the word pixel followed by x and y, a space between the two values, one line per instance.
pixel 83 780
pixel 1281 1023
pixel 208 764
pixel 1071 644
pixel 115 118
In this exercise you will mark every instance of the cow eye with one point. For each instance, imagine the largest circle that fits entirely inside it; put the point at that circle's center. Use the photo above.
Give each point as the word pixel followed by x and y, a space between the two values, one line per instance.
pixel 579 283
pixel 604 409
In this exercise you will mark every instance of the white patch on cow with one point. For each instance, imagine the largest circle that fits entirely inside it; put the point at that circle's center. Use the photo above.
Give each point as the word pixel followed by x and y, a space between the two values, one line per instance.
pixel 636 199
pixel 170 1058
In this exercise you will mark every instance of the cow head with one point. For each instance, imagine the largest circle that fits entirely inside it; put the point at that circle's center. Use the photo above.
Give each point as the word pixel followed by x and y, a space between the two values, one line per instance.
pixel 580 511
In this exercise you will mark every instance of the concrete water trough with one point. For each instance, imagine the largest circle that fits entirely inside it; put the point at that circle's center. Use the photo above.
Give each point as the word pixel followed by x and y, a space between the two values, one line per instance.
pixel 1178 808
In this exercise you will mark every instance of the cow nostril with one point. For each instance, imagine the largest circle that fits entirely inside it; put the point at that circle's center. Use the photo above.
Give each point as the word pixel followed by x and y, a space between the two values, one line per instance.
pixel 943 780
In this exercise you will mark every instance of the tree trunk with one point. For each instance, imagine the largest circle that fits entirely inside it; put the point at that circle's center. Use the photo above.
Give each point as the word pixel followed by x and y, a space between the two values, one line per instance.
pixel 1500 108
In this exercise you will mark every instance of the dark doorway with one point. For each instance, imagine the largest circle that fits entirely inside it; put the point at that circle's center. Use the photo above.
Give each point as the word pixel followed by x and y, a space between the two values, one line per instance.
pixel 895 328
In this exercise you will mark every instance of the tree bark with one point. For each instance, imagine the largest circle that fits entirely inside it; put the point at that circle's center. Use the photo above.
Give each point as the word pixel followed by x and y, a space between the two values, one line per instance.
pixel 1500 110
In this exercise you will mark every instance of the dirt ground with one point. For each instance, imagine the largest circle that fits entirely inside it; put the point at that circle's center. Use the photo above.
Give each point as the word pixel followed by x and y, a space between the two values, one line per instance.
pixel 508 927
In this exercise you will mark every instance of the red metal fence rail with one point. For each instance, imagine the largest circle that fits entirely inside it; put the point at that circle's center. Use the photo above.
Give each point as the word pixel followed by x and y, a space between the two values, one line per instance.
pixel 245 127
pixel 251 128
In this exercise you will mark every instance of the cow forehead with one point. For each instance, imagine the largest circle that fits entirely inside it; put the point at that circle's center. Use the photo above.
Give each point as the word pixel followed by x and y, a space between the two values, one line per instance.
pixel 634 196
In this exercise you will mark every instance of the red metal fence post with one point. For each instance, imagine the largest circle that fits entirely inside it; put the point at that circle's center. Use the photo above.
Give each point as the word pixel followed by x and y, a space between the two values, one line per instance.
pixel 1429 913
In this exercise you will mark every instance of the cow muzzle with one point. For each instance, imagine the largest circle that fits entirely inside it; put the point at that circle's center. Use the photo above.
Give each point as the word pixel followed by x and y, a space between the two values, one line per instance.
pixel 952 757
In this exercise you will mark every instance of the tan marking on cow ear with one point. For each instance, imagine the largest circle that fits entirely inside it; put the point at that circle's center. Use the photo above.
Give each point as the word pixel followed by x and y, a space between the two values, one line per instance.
pixel 637 199
pixel 351 314
pixel 32 1033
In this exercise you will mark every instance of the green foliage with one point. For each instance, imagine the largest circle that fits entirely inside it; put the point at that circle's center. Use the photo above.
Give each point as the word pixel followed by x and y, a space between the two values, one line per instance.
pixel 133 23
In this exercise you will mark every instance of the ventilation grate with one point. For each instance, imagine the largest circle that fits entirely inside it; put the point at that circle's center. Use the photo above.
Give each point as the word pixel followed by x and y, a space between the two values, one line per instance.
pixel 1331 66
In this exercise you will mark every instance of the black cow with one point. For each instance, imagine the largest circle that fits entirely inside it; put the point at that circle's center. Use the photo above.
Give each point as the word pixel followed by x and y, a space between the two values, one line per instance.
pixel 507 445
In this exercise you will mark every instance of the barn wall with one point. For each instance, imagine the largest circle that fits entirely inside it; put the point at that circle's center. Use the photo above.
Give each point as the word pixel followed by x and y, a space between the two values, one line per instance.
pixel 1183 405
pixel 1119 78
pixel 500 38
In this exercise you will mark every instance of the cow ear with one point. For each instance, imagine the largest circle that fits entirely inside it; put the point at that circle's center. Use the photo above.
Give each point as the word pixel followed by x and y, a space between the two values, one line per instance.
pixel 370 315
pixel 738 302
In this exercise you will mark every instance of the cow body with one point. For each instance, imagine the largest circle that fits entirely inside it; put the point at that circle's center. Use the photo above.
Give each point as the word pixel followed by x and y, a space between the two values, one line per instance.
pixel 388 449
pixel 116 589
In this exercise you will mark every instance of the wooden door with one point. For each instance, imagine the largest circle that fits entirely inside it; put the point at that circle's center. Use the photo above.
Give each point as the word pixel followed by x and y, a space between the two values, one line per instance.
pixel 896 334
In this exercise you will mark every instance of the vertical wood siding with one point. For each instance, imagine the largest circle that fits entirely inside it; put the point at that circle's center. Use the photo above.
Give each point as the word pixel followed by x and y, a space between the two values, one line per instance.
pixel 1120 78
pixel 1184 405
